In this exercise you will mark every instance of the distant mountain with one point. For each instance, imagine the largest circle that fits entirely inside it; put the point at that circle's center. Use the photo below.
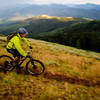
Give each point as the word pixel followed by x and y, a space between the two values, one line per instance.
pixel 81 11
pixel 39 24
pixel 86 6
pixel 11 11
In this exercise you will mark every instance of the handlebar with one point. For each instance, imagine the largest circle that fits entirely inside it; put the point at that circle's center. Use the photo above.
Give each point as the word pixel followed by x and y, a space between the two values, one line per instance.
pixel 30 52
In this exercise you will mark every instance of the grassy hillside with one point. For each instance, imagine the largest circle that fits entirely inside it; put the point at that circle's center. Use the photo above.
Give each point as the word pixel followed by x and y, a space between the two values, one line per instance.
pixel 71 74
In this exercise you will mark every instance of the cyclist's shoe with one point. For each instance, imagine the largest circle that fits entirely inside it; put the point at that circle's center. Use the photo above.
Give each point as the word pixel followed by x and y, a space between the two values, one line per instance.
pixel 18 68
pixel 5 71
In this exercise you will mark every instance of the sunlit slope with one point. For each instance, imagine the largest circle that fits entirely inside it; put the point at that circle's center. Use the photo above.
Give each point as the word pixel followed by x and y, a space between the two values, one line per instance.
pixel 71 74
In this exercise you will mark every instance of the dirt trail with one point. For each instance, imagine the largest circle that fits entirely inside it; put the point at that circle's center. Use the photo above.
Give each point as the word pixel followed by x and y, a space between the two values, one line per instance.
pixel 69 79
pixel 72 80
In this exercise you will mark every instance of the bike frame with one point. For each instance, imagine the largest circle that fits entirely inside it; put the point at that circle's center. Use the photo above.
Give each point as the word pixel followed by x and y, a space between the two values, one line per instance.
pixel 22 60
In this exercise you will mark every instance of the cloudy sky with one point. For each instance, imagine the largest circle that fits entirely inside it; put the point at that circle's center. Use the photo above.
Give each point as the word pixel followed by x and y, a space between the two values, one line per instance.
pixel 15 2
pixel 63 1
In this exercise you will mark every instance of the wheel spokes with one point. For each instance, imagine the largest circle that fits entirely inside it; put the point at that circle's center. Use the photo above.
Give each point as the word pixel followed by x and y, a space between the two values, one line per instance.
pixel 5 63
pixel 35 68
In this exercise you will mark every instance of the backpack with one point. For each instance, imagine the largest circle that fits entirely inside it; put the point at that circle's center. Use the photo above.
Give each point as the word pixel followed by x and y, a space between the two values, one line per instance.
pixel 11 35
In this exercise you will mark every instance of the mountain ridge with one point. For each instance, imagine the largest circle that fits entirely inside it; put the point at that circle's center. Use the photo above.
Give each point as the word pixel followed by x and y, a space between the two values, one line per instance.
pixel 89 11
pixel 40 22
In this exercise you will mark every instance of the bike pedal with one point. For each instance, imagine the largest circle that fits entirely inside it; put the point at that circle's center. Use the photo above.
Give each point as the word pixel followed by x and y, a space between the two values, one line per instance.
pixel 21 67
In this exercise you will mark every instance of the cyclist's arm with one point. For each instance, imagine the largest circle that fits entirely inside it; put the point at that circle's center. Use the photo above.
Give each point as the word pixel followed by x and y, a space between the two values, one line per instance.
pixel 26 42
pixel 18 47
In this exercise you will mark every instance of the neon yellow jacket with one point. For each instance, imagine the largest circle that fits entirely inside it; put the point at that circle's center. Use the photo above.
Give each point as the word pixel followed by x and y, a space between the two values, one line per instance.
pixel 15 44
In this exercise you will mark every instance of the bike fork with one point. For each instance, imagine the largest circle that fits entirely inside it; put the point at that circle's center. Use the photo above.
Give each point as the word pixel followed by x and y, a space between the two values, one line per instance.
pixel 33 65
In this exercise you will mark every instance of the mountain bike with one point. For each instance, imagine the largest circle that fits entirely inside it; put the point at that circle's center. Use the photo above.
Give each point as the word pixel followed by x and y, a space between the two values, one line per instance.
pixel 33 66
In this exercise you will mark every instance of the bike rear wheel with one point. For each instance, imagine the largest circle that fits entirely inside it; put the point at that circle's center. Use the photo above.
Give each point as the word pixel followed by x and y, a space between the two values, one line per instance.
pixel 35 67
pixel 5 63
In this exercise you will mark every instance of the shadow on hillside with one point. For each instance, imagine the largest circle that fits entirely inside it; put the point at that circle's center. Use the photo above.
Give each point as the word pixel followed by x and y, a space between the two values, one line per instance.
pixel 18 71
pixel 61 77
pixel 71 80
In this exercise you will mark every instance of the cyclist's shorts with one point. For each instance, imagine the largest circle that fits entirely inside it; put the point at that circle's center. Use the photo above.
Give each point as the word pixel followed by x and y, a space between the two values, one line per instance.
pixel 14 52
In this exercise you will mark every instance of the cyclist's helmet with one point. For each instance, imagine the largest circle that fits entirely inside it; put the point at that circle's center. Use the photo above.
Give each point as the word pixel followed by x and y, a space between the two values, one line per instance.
pixel 22 31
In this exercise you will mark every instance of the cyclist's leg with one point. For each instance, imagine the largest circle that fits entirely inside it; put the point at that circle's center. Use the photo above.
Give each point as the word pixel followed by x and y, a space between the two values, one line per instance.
pixel 15 54
pixel 17 57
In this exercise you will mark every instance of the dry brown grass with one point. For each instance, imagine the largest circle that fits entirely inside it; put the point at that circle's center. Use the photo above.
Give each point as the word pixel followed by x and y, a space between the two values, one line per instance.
pixel 70 74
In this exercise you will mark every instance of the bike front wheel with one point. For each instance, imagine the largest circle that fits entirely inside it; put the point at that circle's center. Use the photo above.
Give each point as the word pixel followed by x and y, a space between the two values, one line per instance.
pixel 35 67
pixel 5 63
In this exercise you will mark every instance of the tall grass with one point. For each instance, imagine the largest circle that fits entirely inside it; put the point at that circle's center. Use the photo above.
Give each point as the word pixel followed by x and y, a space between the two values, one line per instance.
pixel 66 71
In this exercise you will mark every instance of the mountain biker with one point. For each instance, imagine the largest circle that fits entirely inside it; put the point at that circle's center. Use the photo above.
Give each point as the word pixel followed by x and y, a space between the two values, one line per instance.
pixel 14 46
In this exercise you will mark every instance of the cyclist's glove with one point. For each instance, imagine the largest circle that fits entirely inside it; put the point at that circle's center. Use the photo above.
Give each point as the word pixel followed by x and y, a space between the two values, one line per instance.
pixel 30 47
